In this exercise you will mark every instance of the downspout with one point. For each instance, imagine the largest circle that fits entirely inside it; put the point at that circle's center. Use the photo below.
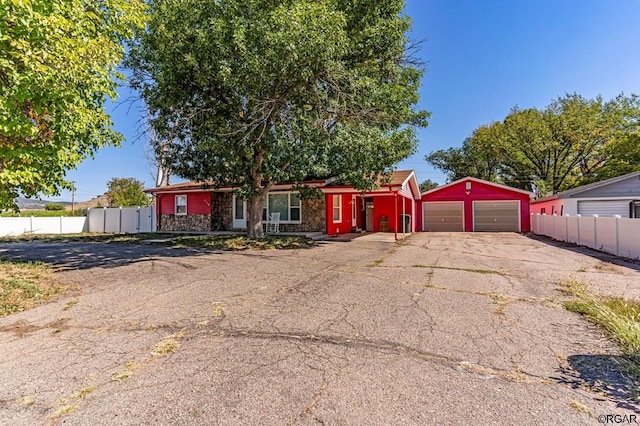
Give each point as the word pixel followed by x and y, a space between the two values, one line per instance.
pixel 395 228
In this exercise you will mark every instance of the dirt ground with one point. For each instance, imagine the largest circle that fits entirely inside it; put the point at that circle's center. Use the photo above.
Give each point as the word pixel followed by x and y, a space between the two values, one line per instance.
pixel 435 329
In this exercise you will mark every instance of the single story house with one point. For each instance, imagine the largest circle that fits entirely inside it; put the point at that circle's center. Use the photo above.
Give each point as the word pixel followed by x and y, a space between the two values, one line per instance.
pixel 616 196
pixel 475 205
pixel 192 206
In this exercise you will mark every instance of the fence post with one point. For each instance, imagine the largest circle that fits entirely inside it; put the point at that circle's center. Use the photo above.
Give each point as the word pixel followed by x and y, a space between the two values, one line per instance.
pixel 595 231
pixel 617 217
pixel 31 224
pixel 578 236
pixel 61 224
pixel 104 219
pixel 566 228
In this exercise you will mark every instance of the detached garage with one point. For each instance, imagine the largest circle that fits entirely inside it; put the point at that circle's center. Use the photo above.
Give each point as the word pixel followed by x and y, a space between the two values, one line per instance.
pixel 475 205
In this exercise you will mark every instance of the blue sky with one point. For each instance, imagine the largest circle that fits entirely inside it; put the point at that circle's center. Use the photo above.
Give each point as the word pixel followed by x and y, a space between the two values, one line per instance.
pixel 482 58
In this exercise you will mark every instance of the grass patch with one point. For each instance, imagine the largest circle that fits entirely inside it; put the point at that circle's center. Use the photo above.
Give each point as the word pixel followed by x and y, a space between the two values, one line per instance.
pixel 501 300
pixel 216 242
pixel 86 237
pixel 84 392
pixel 64 410
pixel 580 408
pixel 130 367
pixel 169 344
pixel 241 242
pixel 166 347
pixel 619 317
pixel 27 400
pixel 24 285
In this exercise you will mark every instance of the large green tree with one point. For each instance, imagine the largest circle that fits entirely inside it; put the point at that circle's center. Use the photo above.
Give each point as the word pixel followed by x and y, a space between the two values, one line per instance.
pixel 127 192
pixel 572 141
pixel 253 92
pixel 58 62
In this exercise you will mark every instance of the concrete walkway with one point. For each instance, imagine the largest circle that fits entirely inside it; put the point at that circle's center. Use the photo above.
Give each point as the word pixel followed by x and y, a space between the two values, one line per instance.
pixel 433 329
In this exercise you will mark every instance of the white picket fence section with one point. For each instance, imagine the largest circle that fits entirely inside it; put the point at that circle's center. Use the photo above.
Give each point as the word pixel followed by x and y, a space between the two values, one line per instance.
pixel 615 235
pixel 130 220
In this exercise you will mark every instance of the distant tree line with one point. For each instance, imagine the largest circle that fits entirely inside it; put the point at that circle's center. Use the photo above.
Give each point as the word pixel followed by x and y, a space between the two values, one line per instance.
pixel 572 141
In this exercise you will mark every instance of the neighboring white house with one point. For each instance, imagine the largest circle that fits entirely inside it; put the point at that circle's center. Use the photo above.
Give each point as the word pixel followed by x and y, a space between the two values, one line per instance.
pixel 616 196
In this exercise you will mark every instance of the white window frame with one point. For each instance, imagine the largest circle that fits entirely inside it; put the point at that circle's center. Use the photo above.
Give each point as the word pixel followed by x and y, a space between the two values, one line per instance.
pixel 176 205
pixel 288 193
pixel 337 206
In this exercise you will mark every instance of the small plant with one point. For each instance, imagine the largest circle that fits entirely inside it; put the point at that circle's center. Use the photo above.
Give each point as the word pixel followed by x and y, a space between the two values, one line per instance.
pixel 64 410
pixel 580 407
pixel 166 347
pixel 54 206
pixel 84 392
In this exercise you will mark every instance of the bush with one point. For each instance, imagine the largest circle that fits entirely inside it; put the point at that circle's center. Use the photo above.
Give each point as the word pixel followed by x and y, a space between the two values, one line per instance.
pixel 54 206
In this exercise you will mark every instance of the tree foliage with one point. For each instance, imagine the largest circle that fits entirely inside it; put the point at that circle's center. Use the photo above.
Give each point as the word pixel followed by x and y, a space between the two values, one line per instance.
pixel 253 92
pixel 570 142
pixel 127 192
pixel 58 63
pixel 428 185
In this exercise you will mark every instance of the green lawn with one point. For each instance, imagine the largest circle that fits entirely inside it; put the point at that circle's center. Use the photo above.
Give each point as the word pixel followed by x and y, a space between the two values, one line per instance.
pixel 216 242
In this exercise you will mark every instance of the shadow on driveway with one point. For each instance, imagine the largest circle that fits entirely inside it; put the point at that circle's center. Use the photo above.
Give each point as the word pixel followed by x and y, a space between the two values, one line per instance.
pixel 84 255
pixel 602 256
pixel 605 374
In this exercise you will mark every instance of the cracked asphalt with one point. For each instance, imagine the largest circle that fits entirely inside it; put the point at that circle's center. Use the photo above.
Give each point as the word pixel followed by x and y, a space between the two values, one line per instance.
pixel 436 329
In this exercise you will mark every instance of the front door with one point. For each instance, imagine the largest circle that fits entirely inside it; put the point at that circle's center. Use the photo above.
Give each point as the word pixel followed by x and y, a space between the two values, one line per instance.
pixel 369 222
pixel 239 213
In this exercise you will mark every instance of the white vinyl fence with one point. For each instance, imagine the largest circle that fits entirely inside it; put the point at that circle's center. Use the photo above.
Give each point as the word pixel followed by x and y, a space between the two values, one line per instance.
pixel 130 220
pixel 615 235
pixel 42 225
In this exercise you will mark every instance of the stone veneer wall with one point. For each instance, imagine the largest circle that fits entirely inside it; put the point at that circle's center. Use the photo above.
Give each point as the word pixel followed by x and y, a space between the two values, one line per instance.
pixel 314 217
pixel 192 222
pixel 222 206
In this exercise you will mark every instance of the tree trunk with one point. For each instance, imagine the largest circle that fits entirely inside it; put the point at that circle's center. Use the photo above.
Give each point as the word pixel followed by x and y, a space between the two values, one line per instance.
pixel 255 205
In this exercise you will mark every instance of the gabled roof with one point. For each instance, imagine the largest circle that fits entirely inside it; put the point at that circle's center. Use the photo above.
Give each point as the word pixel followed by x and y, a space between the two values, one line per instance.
pixel 398 180
pixel 584 188
pixel 484 182
pixel 209 186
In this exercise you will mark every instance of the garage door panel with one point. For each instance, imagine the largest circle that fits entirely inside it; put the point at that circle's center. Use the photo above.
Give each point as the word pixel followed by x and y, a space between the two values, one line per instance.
pixel 443 217
pixel 489 216
pixel 604 208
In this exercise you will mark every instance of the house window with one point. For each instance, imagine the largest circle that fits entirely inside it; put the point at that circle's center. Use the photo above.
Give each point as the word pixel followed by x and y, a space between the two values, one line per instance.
pixel 286 203
pixel 181 205
pixel 337 208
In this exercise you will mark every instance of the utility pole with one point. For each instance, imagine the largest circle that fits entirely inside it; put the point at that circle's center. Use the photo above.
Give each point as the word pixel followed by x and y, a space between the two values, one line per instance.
pixel 73 196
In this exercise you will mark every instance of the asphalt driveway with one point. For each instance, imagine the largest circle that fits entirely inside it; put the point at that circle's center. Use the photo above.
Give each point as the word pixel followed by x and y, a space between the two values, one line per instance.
pixel 436 329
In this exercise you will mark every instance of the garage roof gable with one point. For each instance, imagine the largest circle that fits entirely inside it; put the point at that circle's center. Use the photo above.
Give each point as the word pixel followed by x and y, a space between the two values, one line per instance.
pixel 481 181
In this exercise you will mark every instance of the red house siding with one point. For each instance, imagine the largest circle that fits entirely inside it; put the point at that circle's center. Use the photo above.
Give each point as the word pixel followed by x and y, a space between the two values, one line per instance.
pixel 344 226
pixel 383 205
pixel 197 203
pixel 550 207
pixel 479 192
